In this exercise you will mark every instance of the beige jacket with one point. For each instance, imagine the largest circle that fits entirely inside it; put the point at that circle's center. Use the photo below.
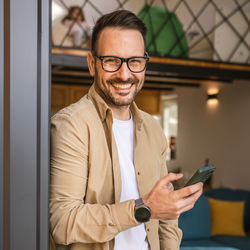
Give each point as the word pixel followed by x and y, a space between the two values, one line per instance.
pixel 85 208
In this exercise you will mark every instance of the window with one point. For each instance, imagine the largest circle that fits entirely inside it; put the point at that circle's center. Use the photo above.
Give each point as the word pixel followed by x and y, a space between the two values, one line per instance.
pixel 170 123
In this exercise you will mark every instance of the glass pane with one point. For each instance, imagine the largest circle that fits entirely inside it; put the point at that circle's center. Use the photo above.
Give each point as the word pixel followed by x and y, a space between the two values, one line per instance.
pixel 197 29
pixel 170 123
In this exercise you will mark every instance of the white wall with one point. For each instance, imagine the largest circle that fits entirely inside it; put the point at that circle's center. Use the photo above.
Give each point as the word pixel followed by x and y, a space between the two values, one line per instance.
pixel 220 133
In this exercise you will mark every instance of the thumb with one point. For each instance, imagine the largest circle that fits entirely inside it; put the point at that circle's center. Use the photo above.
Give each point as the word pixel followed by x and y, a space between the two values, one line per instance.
pixel 167 179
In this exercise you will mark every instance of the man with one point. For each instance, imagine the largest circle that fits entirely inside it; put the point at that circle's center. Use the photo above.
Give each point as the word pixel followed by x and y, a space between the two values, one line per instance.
pixel 109 183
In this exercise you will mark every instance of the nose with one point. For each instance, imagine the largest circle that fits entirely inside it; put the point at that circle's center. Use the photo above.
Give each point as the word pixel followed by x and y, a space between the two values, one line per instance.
pixel 124 73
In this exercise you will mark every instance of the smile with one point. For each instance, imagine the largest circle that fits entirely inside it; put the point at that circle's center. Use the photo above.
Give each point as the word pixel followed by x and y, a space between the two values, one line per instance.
pixel 122 86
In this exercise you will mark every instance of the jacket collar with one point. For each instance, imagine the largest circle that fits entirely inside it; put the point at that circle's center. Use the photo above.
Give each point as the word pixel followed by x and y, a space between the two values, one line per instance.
pixel 103 109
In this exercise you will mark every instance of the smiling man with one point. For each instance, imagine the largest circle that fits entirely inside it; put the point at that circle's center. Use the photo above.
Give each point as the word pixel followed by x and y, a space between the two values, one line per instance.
pixel 109 183
pixel 119 72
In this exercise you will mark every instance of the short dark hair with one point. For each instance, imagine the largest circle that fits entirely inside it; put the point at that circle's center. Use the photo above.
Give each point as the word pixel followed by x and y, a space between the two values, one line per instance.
pixel 121 19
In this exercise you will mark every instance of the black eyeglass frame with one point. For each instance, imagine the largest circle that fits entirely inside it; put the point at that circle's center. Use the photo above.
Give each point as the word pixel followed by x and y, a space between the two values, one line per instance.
pixel 146 56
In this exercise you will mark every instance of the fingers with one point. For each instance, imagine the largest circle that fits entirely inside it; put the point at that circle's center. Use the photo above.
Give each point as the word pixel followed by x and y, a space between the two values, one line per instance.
pixel 189 190
pixel 189 201
pixel 185 204
pixel 169 178
pixel 168 204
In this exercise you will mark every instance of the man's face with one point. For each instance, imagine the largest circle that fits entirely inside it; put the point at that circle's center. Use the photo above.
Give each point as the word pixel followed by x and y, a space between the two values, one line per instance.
pixel 117 88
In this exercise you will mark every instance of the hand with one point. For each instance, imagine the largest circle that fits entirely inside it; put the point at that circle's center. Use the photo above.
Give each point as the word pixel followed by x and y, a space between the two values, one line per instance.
pixel 167 204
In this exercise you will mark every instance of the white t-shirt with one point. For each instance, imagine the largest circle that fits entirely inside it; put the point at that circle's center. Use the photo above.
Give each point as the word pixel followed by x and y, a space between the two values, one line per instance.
pixel 135 237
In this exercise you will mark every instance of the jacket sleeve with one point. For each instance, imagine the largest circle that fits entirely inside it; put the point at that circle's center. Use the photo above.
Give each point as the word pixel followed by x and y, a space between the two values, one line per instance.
pixel 169 233
pixel 71 220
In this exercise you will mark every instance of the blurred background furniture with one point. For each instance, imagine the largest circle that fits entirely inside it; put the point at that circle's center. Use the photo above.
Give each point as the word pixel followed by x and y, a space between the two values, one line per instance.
pixel 199 226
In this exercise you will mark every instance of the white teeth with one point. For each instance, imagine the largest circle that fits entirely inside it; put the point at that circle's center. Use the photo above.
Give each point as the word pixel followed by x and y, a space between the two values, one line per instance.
pixel 122 86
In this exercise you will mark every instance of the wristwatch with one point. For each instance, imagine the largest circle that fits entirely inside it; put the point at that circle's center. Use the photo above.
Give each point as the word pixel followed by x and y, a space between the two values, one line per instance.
pixel 142 212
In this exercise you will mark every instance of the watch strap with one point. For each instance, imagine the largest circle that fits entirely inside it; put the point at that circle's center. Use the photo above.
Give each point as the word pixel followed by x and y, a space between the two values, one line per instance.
pixel 139 202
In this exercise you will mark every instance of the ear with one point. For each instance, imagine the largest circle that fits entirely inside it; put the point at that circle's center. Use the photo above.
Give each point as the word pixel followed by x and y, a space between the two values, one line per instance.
pixel 91 63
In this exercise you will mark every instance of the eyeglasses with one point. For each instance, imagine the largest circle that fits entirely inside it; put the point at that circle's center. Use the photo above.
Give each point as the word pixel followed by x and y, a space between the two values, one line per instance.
pixel 135 64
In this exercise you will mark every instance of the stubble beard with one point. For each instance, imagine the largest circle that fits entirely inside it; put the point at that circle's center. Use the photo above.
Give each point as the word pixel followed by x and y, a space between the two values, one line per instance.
pixel 121 103
pixel 110 98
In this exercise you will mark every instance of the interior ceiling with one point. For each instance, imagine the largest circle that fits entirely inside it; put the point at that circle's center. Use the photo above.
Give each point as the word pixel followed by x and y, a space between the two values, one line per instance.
pixel 70 67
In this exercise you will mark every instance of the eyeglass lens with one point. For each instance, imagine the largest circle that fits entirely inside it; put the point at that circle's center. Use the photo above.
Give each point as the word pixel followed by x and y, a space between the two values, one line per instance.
pixel 135 64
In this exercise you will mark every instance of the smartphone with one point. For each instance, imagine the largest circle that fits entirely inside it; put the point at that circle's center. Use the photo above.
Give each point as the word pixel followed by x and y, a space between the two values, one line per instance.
pixel 201 175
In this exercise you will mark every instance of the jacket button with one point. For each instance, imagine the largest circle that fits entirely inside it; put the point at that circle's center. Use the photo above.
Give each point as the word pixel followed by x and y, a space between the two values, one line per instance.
pixel 139 173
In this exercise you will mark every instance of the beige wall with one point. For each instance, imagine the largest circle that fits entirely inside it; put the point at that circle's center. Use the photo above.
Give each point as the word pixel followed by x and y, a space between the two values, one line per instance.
pixel 222 134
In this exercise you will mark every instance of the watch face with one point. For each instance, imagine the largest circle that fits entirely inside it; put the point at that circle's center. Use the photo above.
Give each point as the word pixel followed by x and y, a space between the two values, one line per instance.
pixel 142 214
